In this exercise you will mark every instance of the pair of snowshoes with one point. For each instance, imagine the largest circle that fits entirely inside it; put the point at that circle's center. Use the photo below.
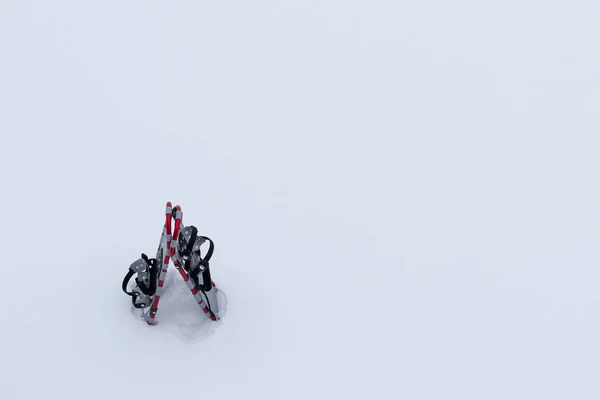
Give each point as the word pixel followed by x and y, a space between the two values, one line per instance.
pixel 181 245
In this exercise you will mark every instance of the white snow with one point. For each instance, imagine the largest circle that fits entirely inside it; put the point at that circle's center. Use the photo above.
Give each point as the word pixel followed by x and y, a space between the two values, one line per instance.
pixel 403 196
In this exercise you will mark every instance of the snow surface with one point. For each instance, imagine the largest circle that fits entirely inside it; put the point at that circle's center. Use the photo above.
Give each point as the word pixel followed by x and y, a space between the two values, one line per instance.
pixel 403 196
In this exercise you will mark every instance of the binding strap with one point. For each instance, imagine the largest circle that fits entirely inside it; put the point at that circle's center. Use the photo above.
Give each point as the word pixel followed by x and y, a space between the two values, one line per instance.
pixel 204 262
pixel 148 290
pixel 152 271
pixel 187 251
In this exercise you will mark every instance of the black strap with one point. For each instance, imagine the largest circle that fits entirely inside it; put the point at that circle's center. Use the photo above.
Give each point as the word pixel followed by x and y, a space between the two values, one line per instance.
pixel 190 244
pixel 126 280
pixel 210 310
pixel 206 280
pixel 205 271
pixel 203 261
pixel 133 295
pixel 147 290
pixel 211 249
pixel 152 271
